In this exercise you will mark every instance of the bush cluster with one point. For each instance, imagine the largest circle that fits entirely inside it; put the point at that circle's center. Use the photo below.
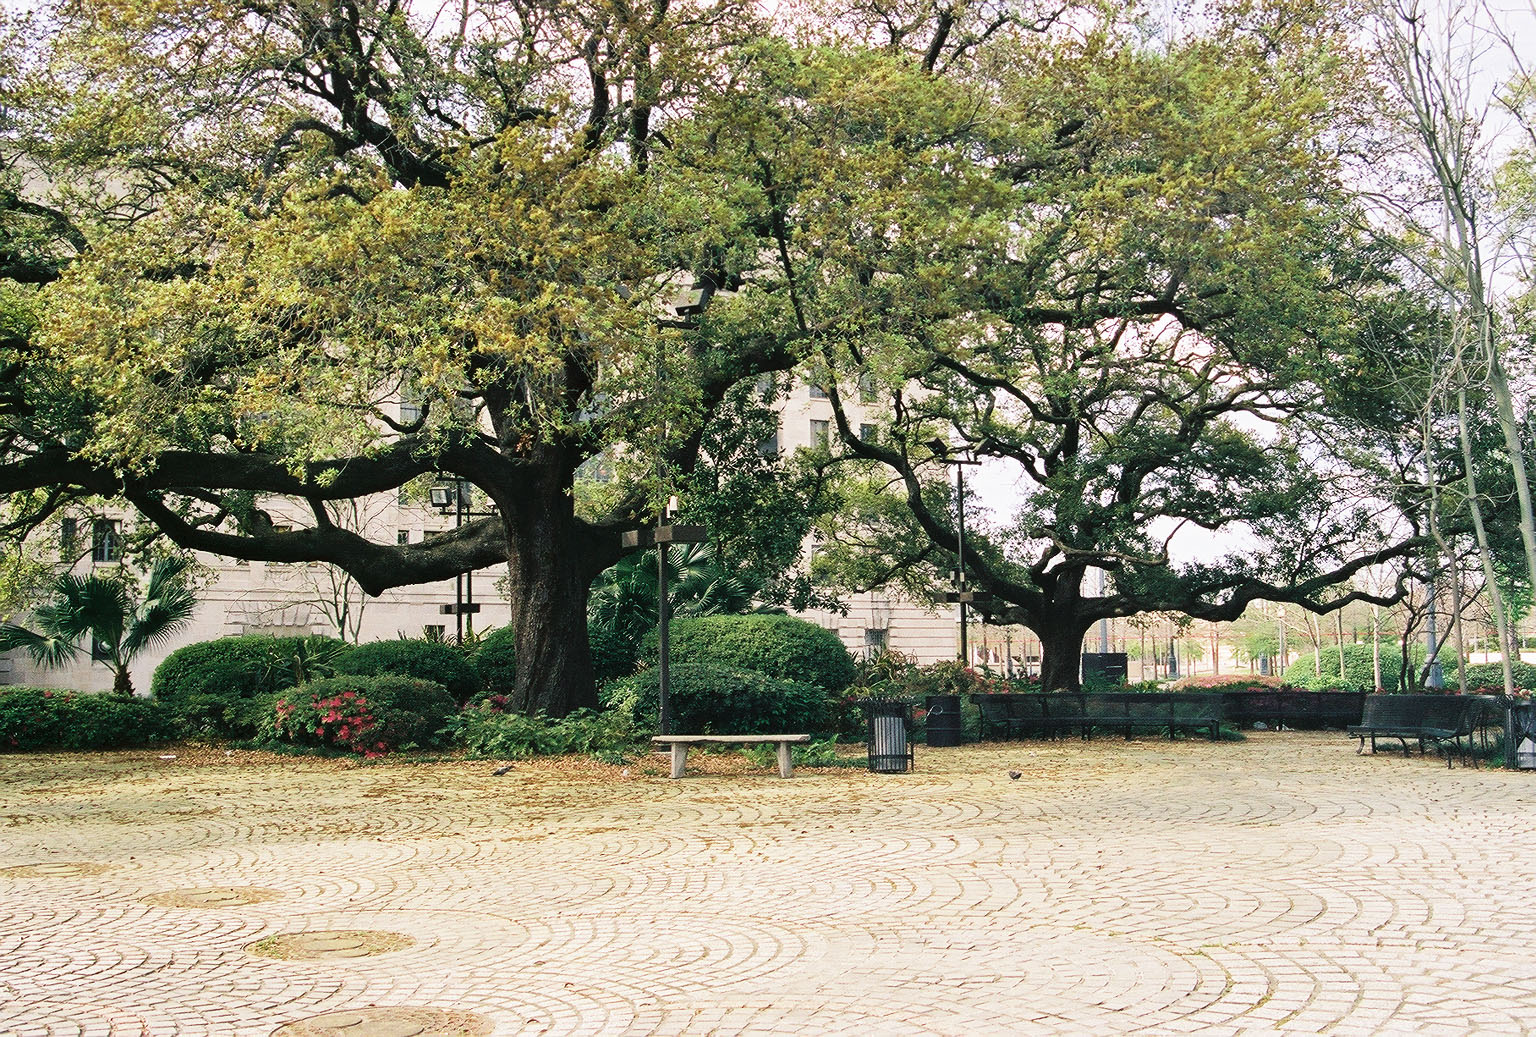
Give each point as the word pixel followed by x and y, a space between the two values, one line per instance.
pixel 1359 669
pixel 706 698
pixel 371 715
pixel 1490 676
pixel 434 661
pixel 486 732
pixel 43 718
pixel 223 688
pixel 781 647
pixel 1228 682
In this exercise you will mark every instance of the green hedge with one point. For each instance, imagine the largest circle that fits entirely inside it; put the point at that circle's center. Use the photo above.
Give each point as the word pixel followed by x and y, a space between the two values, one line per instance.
pixel 496 658
pixel 1491 676
pixel 424 660
pixel 1359 670
pixel 224 688
pixel 46 718
pixel 612 656
pixel 708 698
pixel 781 647
pixel 361 713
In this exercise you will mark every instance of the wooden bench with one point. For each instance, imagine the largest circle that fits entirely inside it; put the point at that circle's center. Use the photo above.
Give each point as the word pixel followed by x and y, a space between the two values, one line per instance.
pixel 680 745
pixel 1424 718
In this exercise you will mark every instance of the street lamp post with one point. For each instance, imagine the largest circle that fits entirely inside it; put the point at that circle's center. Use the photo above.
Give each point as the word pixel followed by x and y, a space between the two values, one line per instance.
pixel 663 537
pixel 455 495
pixel 962 594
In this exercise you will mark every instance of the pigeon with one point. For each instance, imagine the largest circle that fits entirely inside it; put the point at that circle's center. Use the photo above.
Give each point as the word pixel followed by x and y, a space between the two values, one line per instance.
pixel 1015 775
pixel 499 771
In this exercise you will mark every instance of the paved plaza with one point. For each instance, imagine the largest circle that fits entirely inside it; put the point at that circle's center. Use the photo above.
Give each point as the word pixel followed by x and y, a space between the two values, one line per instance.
pixel 1277 884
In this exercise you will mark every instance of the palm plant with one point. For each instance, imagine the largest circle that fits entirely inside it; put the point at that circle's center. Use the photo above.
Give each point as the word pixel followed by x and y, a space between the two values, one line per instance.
pixel 623 599
pixel 103 608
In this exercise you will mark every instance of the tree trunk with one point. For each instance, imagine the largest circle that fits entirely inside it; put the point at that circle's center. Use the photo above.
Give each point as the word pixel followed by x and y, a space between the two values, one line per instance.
pixel 548 582
pixel 1061 653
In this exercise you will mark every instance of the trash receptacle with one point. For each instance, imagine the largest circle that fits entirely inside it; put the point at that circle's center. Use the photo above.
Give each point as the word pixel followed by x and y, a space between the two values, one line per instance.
pixel 1520 736
pixel 944 722
pixel 889 723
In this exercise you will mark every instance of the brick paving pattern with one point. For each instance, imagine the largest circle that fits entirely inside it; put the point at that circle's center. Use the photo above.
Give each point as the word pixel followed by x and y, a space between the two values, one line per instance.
pixel 1280 884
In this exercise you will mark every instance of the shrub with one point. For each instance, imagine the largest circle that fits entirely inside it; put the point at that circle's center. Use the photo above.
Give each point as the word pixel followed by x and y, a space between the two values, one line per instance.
pixel 612 656
pixel 224 687
pixel 782 647
pixel 1229 682
pixel 706 698
pixel 1358 668
pixel 495 658
pixel 371 715
pixel 486 732
pixel 1491 675
pixel 434 661
pixel 44 718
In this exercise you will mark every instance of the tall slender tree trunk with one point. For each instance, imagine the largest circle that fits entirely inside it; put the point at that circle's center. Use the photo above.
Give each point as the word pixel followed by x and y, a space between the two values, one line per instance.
pixel 1338 621
pixel 1480 531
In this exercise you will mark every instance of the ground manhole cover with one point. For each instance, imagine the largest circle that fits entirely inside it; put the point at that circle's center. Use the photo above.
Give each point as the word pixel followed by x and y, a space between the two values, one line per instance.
pixel 388 1022
pixel 55 869
pixel 212 896
pixel 338 943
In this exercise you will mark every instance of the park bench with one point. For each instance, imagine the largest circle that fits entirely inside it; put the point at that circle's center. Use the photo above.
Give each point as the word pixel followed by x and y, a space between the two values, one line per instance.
pixel 1014 716
pixel 1424 718
pixel 1292 708
pixel 1130 711
pixel 681 743
pixel 1059 713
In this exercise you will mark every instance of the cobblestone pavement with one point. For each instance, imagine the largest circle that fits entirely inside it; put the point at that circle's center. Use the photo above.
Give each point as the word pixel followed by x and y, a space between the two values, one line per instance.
pixel 1280 884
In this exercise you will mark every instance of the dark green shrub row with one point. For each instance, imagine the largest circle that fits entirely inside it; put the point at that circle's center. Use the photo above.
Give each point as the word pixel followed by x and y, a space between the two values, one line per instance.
pixel 367 714
pixel 1359 668
pixel 1490 676
pixel 496 658
pixel 435 661
pixel 708 698
pixel 488 733
pixel 224 688
pixel 781 647
pixel 43 718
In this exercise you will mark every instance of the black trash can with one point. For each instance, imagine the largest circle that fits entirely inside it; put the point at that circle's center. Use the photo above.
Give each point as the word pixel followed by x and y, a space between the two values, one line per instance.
pixel 1520 736
pixel 889 725
pixel 944 722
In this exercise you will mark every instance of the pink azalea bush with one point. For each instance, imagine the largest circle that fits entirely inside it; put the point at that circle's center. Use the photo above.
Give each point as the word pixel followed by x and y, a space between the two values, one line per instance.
pixel 367 715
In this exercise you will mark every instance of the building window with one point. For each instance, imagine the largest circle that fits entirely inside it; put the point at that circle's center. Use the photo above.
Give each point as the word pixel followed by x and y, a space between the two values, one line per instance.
pixel 434 632
pixel 769 447
pixel 875 640
pixel 818 392
pixel 106 540
pixel 867 432
pixel 402 537
pixel 69 539
pixel 866 387
pixel 821 433
pixel 409 413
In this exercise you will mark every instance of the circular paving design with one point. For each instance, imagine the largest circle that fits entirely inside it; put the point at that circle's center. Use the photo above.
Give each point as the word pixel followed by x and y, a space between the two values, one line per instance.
pixel 212 896
pixel 330 943
pixel 388 1022
pixel 55 870
pixel 1281 884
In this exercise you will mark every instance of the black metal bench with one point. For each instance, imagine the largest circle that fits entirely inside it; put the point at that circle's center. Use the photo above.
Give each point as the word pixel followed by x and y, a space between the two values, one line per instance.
pixel 1440 719
pixel 1061 713
pixel 1292 708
